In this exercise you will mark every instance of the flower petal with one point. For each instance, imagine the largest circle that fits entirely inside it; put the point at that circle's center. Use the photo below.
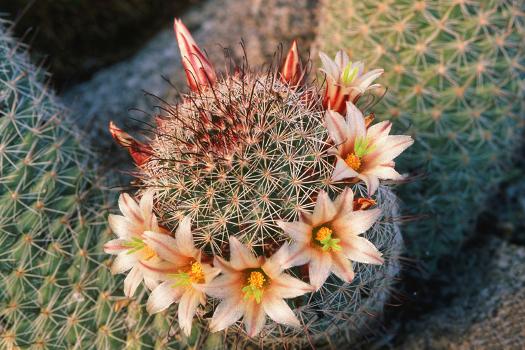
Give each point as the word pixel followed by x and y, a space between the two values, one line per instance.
pixel 184 237
pixel 297 230
pixel 166 247
pixel 224 286
pixel 337 130
pixel 319 268
pixel 240 256
pixel 254 318
pixel 210 272
pixel 298 254
pixel 329 66
pixel 158 269
pixel 355 122
pixel 115 246
pixel 123 262
pixel 343 171
pixel 227 312
pixel 162 297
pixel 344 203
pixel 362 250
pixel 388 149
pixel 223 265
pixel 341 59
pixel 286 286
pixel 150 283
pixel 279 311
pixel 371 181
pixel 385 172
pixel 355 223
pixel 130 208
pixel 132 281
pixel 342 267
pixel 146 207
pixel 324 210
pixel 378 131
pixel 187 308
pixel 122 227
pixel 364 81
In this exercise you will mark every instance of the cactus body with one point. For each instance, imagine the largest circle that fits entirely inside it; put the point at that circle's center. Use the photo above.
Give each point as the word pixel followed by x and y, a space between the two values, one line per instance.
pixel 242 155
pixel 454 70
pixel 56 291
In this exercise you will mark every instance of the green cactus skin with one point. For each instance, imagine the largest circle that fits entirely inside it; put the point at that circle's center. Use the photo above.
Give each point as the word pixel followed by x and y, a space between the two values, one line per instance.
pixel 454 70
pixel 273 169
pixel 56 291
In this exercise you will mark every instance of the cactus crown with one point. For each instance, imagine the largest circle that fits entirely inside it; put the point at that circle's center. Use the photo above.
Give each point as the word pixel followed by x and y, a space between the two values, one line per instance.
pixel 237 158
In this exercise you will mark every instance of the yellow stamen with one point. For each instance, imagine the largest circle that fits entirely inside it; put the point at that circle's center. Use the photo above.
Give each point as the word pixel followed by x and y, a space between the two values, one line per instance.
pixel 353 161
pixel 323 233
pixel 148 252
pixel 256 279
pixel 196 273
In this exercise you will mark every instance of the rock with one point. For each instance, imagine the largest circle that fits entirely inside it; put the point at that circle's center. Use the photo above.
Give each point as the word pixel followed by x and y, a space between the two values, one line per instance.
pixel 489 310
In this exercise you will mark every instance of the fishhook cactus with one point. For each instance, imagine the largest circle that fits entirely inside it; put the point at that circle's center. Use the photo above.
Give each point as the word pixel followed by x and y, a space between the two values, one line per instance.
pixel 260 234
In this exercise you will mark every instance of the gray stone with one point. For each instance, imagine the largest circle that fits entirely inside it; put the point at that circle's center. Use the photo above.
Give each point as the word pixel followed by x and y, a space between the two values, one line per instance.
pixel 488 313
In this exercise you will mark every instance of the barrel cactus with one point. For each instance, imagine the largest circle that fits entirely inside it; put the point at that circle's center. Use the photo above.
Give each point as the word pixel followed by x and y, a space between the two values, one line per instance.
pixel 255 198
pixel 454 70
pixel 56 290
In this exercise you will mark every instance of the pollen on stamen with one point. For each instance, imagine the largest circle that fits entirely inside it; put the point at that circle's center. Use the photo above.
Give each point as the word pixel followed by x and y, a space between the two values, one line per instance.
pixel 353 161
pixel 149 252
pixel 323 233
pixel 256 279
pixel 196 272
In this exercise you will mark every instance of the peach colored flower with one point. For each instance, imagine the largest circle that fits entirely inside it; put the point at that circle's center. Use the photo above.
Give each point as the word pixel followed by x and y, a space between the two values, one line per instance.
pixel 184 274
pixel 329 238
pixel 252 288
pixel 130 247
pixel 364 153
pixel 199 71
pixel 345 81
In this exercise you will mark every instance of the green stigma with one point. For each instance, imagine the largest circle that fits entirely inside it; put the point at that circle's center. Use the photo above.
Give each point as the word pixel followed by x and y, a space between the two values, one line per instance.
pixel 349 74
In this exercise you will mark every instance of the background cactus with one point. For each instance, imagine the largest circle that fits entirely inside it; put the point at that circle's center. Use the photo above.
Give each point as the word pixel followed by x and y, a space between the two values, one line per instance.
pixel 244 153
pixel 56 291
pixel 455 74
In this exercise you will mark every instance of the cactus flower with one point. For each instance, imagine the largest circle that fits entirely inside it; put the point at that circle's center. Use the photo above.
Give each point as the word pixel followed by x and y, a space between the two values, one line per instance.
pixel 183 273
pixel 140 152
pixel 328 239
pixel 199 71
pixel 292 69
pixel 130 246
pixel 345 81
pixel 364 153
pixel 252 288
